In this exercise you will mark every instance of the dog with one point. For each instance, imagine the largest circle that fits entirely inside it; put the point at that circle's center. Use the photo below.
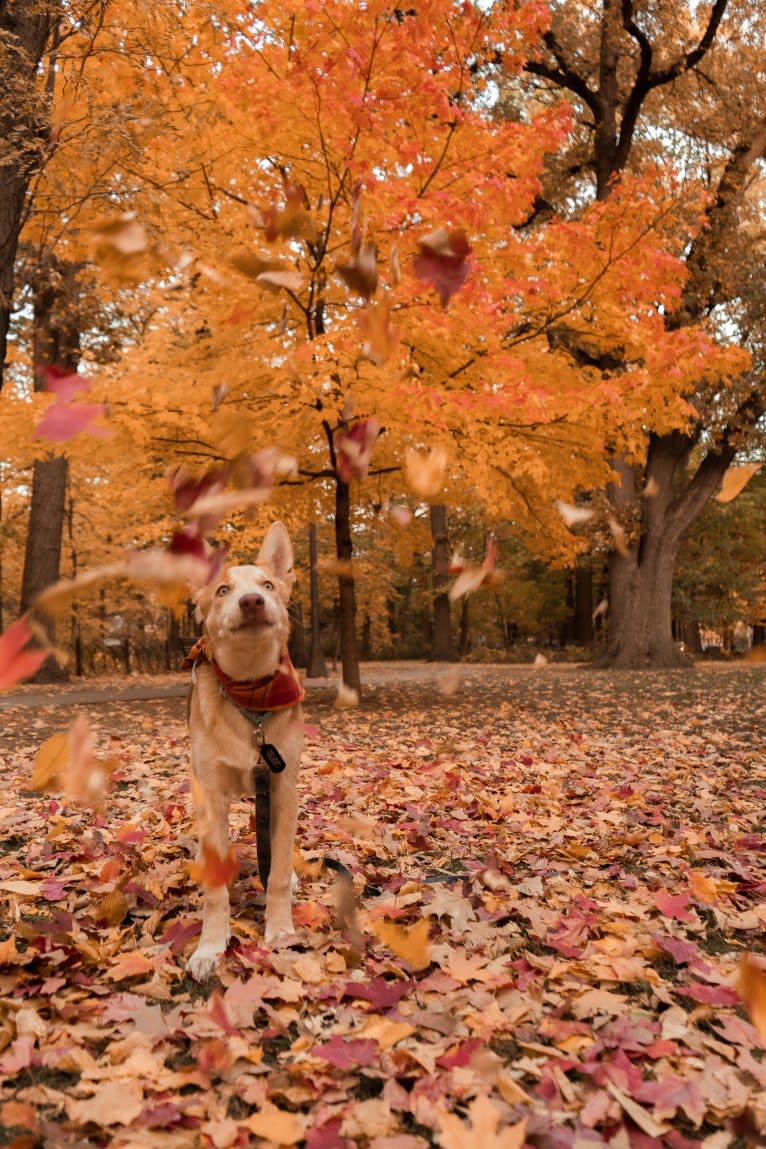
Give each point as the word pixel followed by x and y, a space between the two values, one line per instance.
pixel 246 727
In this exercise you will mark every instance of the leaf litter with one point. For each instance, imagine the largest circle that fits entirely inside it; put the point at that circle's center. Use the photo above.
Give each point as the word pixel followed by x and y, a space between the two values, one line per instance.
pixel 540 922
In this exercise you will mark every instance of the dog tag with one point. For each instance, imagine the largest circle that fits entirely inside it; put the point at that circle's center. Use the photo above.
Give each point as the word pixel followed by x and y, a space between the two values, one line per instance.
pixel 272 758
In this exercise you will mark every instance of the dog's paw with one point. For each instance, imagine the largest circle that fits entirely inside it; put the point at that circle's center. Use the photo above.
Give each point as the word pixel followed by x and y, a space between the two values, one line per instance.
pixel 203 961
pixel 279 935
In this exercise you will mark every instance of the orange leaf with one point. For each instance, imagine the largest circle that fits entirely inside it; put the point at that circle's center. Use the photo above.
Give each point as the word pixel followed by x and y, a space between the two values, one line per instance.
pixel 752 987
pixel 407 942
pixel 211 869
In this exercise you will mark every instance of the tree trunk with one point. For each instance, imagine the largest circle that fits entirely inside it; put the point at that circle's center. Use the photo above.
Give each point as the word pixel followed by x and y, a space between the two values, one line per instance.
pixel 42 555
pixel 24 32
pixel 349 651
pixel 442 649
pixel 582 606
pixel 56 344
pixel 641 581
pixel 316 663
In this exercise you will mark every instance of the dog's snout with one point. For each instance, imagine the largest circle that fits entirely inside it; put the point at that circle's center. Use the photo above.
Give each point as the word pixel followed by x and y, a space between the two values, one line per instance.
pixel 252 605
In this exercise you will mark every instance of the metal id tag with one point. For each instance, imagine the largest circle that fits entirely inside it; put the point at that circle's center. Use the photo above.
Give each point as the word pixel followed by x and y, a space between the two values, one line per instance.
pixel 272 758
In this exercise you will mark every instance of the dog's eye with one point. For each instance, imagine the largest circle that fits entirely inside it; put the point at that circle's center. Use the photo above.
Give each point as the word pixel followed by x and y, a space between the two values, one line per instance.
pixel 268 585
pixel 223 589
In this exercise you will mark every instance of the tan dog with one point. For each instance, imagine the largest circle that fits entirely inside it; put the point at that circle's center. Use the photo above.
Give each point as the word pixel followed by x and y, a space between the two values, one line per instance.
pixel 243 661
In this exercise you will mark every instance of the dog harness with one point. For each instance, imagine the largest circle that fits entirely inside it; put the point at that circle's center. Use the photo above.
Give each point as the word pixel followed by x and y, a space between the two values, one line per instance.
pixel 254 698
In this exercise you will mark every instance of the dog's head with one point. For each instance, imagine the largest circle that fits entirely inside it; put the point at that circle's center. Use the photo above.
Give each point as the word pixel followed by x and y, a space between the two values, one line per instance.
pixel 245 610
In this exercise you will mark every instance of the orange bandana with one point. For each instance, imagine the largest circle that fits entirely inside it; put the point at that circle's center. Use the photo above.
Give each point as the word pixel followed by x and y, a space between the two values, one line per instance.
pixel 277 691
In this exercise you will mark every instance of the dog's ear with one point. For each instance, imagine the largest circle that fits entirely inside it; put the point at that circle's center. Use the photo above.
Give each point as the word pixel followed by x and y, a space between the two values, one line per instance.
pixel 277 552
pixel 202 600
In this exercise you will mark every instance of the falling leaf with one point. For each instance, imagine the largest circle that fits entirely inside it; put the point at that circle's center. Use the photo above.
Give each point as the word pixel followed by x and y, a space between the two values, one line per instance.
pixel 752 987
pixel 353 449
pixel 16 663
pixel 274 280
pixel 253 265
pixel 443 261
pixel 62 421
pixel 571 515
pixel 122 233
pixel 50 761
pixel 211 870
pixel 481 1131
pixel 620 538
pixel 290 221
pixel 379 336
pixel 65 385
pixel 347 698
pixel 426 474
pixel 652 488
pixel 362 274
pixel 57 599
pixel 735 480
pixel 472 578
pixel 408 942
pixel 343 568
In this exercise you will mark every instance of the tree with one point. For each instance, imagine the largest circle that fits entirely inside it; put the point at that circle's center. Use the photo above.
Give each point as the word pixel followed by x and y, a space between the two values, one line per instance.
pixel 662 85
pixel 25 32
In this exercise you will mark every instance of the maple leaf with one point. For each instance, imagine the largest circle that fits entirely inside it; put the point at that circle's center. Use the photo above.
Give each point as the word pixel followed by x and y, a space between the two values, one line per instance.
pixel 187 488
pixel 62 421
pixel 379 336
pixel 290 221
pixel 426 474
pixel 276 1126
pixel 571 515
pixel 443 261
pixel 124 234
pixel 65 385
pixel 752 987
pixel 16 663
pixel 472 578
pixel 347 1053
pixel 735 480
pixel 482 1132
pixel 407 942
pixel 361 275
pixel 211 869
pixel 353 449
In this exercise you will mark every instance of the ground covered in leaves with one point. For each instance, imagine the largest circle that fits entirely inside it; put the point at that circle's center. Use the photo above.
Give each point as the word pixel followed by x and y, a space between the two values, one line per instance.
pixel 555 875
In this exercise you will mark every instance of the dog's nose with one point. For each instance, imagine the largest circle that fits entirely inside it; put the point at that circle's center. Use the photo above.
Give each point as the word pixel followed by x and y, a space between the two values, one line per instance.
pixel 252 605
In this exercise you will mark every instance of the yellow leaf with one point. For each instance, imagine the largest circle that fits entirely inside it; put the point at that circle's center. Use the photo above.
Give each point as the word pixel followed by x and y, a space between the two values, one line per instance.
pixel 408 942
pixel 482 1133
pixel 51 761
pixel 276 1126
pixel 703 887
pixel 735 480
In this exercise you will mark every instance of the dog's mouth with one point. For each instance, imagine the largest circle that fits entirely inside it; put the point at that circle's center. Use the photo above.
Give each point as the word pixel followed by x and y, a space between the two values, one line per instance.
pixel 252 624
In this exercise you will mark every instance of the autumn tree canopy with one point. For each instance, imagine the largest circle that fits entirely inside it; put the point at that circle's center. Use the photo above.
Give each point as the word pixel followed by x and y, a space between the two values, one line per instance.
pixel 382 243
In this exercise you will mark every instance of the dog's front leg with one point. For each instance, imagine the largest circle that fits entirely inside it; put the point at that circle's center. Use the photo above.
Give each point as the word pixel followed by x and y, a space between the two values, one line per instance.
pixel 284 816
pixel 215 907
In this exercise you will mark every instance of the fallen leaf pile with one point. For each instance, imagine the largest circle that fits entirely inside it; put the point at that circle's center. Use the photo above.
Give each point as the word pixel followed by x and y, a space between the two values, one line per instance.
pixel 527 910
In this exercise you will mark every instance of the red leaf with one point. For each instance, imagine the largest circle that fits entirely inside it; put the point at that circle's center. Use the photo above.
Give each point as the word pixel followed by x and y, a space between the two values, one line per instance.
pixel 709 994
pixel 443 261
pixel 673 905
pixel 63 421
pixel 347 1054
pixel 15 662
pixel 353 449
pixel 65 385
